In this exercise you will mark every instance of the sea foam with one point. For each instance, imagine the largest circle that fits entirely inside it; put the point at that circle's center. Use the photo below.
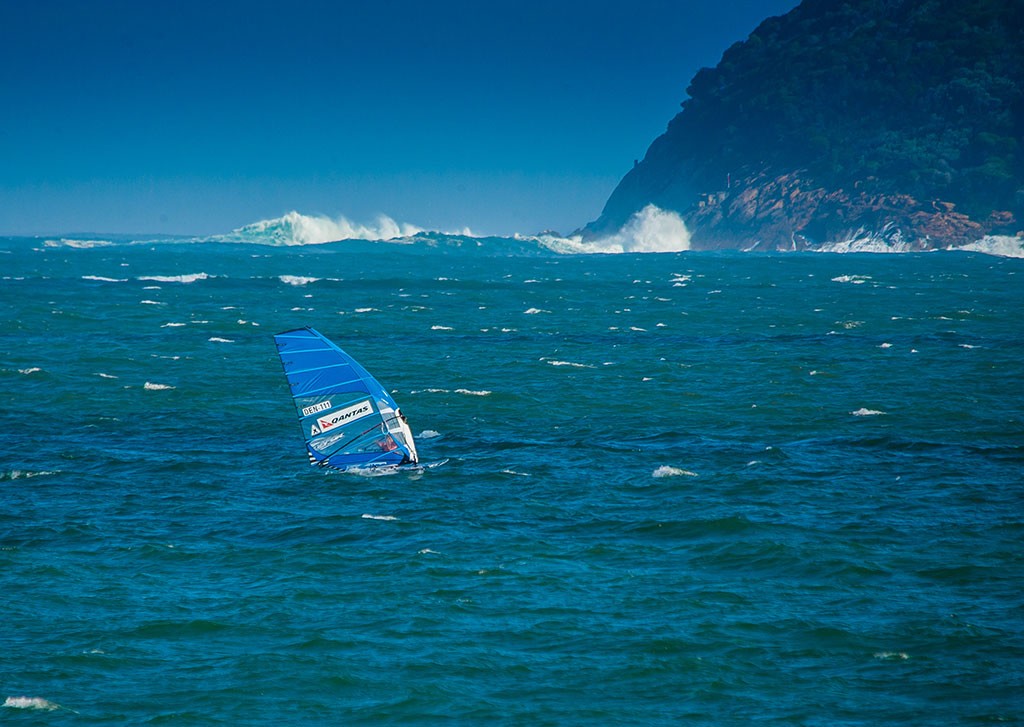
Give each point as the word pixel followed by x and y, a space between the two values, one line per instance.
pixel 149 386
pixel 666 471
pixel 999 245
pixel 189 278
pixel 297 280
pixel 31 703
pixel 652 229
pixel 299 229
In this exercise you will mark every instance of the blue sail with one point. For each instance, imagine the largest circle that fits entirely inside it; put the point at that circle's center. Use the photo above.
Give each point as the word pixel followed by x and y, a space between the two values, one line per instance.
pixel 348 419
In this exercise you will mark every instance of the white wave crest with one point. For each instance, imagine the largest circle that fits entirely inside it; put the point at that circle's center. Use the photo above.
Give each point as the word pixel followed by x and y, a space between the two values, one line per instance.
pixel 77 244
pixel 102 279
pixel 572 364
pixel 190 278
pixel 862 412
pixel 31 703
pixel 666 471
pixel 464 392
pixel 1000 245
pixel 889 239
pixel 428 434
pixel 652 229
pixel 299 229
pixel 297 280
pixel 367 516
pixel 149 386
pixel 24 474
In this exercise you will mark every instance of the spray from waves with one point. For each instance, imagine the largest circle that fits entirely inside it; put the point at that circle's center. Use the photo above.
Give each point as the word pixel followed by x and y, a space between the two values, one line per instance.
pixel 298 229
pixel 650 230
pixel 999 245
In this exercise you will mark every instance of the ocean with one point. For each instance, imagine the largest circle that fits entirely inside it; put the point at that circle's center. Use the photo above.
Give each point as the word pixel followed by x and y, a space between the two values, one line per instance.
pixel 670 488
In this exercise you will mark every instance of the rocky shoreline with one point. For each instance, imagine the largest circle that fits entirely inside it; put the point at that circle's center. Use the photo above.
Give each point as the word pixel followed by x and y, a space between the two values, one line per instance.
pixel 791 212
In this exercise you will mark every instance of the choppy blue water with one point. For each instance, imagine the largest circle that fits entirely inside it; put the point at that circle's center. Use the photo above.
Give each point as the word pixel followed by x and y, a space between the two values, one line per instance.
pixel 678 489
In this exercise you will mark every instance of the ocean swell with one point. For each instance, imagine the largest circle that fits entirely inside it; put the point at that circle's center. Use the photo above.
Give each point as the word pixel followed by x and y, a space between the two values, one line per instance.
pixel 298 229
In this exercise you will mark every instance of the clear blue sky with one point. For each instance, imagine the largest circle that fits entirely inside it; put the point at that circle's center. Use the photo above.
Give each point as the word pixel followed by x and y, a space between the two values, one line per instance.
pixel 198 117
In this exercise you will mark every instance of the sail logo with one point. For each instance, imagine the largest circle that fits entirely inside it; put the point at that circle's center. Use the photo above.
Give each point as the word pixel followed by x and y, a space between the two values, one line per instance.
pixel 322 406
pixel 344 416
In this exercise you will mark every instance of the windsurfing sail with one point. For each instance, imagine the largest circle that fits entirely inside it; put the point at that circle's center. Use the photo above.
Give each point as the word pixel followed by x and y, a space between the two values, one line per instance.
pixel 348 419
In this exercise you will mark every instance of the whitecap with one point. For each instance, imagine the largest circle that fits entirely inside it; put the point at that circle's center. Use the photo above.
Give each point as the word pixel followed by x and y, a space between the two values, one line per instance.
pixel 156 387
pixel 102 279
pixel 892 655
pixel 534 311
pixel 106 376
pixel 651 229
pixel 367 310
pixel 885 345
pixel 218 339
pixel 853 279
pixel 570 363
pixel 428 434
pixel 862 412
pixel 173 325
pixel 441 328
pixel 999 245
pixel 25 474
pixel 77 244
pixel 31 703
pixel 297 280
pixel 470 392
pixel 33 370
pixel 666 471
pixel 189 278
pixel 298 229
pixel 367 516
pixel 151 302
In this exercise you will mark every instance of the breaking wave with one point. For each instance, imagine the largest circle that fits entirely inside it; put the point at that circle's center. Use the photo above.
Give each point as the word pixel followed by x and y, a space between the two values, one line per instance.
pixel 999 245
pixel 298 229
pixel 651 230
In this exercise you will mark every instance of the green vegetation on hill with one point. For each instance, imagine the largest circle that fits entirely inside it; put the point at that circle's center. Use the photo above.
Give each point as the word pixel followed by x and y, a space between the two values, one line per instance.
pixel 914 97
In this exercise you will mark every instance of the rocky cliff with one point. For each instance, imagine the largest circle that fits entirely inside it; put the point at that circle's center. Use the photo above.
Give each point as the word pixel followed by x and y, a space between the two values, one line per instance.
pixel 897 123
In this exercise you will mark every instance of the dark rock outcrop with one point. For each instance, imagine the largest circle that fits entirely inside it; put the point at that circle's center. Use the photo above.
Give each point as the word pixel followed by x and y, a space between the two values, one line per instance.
pixel 898 121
